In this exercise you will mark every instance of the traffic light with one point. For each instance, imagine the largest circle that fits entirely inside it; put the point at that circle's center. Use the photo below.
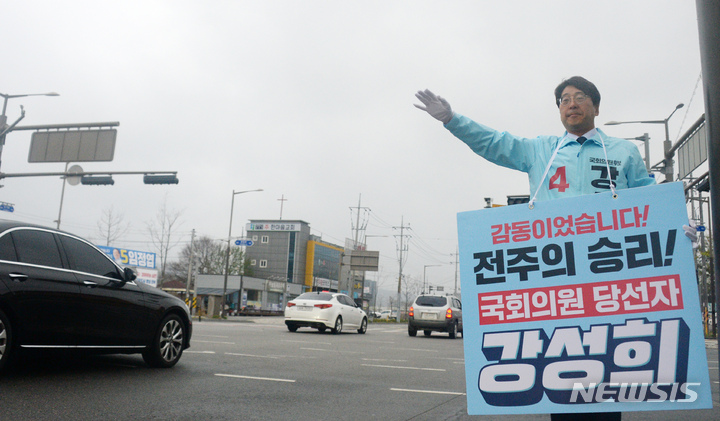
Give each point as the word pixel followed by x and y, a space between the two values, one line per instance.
pixel 160 179
pixel 97 180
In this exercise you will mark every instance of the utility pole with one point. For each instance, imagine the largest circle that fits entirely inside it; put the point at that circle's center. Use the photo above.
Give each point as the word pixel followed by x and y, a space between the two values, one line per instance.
pixel 357 229
pixel 457 256
pixel 401 249
pixel 282 201
pixel 190 270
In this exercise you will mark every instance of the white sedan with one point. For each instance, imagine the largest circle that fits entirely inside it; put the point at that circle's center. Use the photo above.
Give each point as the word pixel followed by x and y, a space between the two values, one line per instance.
pixel 323 310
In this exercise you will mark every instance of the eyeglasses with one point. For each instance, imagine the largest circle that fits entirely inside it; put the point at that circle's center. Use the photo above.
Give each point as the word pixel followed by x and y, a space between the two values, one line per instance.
pixel 579 98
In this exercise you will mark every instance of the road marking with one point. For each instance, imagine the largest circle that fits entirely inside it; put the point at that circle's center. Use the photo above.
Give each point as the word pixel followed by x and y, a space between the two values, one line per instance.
pixel 211 336
pixel 403 368
pixel 214 342
pixel 331 350
pixel 436 392
pixel 416 349
pixel 256 378
pixel 198 352
pixel 383 359
pixel 251 355
pixel 307 342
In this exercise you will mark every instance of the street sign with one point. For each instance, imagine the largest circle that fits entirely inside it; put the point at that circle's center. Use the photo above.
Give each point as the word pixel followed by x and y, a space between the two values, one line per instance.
pixel 73 146
pixel 243 243
pixel 701 228
pixel 7 207
pixel 74 180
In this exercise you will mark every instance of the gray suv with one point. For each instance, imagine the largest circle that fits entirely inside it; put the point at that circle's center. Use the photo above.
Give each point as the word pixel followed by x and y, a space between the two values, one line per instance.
pixel 435 313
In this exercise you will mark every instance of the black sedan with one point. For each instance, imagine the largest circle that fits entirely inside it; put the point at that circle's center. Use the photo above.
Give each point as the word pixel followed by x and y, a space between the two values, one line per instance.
pixel 58 291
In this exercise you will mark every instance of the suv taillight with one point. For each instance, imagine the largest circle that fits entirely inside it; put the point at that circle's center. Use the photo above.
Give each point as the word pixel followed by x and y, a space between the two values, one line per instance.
pixel 323 306
pixel 411 312
pixel 448 314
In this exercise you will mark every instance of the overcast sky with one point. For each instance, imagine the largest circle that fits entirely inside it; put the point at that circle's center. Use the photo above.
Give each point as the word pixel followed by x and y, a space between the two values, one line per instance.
pixel 313 101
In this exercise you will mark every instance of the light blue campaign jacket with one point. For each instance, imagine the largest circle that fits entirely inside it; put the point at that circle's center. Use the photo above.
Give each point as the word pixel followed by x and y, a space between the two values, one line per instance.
pixel 576 170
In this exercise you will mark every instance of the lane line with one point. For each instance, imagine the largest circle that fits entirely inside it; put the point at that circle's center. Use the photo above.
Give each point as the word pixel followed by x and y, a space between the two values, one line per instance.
pixel 417 349
pixel 214 342
pixel 331 350
pixel 403 368
pixel 306 342
pixel 436 392
pixel 251 355
pixel 198 352
pixel 235 376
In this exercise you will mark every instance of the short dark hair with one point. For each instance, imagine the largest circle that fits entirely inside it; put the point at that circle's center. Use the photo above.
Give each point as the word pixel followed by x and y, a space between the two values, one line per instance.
pixel 587 87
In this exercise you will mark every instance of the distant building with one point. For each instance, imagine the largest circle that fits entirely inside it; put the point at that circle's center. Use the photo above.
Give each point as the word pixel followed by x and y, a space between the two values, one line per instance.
pixel 286 260
pixel 279 249
pixel 284 250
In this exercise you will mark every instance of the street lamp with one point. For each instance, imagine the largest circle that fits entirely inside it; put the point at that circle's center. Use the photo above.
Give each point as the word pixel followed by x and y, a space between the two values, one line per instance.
pixel 227 254
pixel 667 145
pixel 6 97
pixel 4 128
pixel 424 282
pixel 645 138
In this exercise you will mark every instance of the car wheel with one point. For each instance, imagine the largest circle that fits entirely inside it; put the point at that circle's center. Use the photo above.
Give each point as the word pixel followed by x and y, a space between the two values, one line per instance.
pixel 167 345
pixel 363 326
pixel 6 340
pixel 338 325
pixel 453 331
pixel 427 332
pixel 292 328
pixel 412 331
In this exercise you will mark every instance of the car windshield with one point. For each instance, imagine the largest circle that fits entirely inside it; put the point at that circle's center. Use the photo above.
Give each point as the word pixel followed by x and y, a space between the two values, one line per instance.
pixel 431 301
pixel 322 296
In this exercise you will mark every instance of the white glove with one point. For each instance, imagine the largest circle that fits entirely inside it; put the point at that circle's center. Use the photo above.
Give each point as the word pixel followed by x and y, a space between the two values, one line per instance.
pixel 435 105
pixel 691 233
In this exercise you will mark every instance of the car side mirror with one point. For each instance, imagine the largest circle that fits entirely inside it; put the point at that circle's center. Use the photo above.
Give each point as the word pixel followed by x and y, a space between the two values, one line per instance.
pixel 129 275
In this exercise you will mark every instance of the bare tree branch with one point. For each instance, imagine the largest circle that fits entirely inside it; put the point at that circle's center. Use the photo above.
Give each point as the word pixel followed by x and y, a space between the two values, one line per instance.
pixel 112 226
pixel 161 234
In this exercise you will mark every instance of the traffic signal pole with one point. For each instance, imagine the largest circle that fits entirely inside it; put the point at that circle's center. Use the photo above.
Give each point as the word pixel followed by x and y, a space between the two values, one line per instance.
pixel 708 14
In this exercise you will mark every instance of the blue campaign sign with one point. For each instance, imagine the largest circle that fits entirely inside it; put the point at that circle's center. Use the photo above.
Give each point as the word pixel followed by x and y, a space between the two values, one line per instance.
pixel 243 242
pixel 126 257
pixel 587 304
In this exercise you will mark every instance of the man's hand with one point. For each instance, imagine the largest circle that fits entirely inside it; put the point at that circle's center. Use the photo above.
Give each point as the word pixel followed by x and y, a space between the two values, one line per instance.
pixel 435 105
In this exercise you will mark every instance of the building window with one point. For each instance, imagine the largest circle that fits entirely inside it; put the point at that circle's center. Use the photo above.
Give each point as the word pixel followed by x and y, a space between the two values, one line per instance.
pixel 253 262
pixel 263 263
pixel 254 238
pixel 265 239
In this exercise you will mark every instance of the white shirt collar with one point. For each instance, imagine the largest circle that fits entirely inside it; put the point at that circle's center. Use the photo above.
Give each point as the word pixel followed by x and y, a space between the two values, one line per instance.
pixel 587 135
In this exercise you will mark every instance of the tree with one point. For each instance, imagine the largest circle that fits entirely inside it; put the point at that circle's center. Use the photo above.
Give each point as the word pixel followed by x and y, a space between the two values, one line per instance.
pixel 112 226
pixel 209 258
pixel 161 234
pixel 411 289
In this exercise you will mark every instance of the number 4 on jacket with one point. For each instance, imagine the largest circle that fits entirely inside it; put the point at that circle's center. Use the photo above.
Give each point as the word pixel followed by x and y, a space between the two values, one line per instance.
pixel 559 180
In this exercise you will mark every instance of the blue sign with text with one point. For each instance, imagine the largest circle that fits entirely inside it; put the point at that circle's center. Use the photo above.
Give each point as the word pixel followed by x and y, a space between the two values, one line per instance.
pixel 587 304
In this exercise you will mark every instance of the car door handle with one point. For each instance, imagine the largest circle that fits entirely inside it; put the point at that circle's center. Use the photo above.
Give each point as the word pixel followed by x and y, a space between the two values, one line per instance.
pixel 18 277
pixel 90 284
